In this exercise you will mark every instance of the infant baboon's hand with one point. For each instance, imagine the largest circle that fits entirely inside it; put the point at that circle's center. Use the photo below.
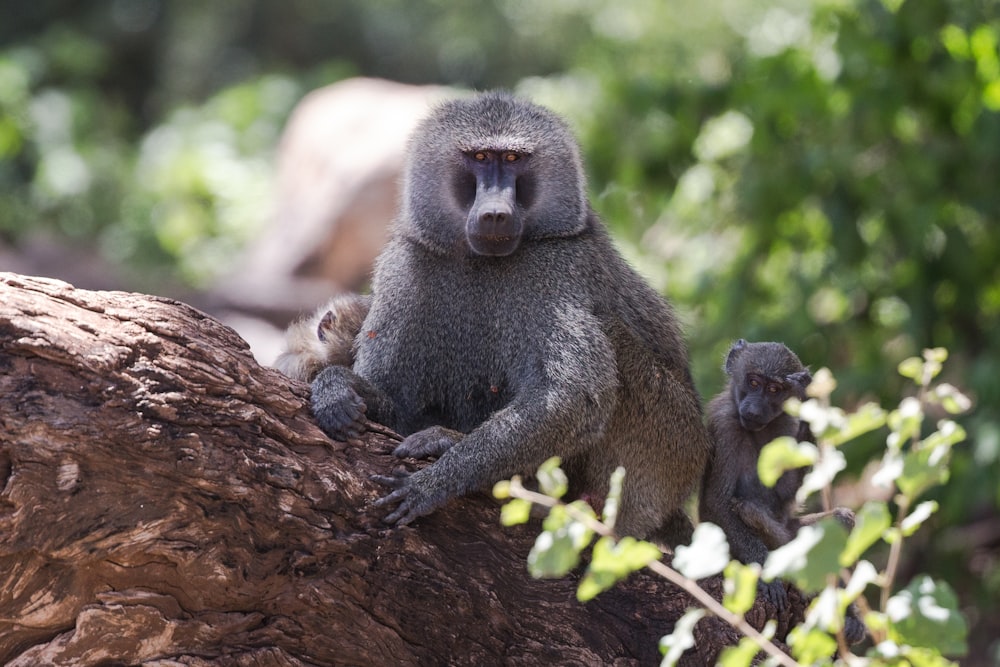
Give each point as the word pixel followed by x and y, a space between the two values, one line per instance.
pixel 338 409
pixel 430 442
pixel 775 592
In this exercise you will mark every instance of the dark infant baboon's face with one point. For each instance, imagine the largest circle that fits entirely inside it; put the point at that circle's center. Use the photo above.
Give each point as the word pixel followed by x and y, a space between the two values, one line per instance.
pixel 496 187
pixel 761 400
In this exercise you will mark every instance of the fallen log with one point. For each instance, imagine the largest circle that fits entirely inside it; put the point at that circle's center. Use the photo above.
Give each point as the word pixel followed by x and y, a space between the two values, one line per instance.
pixel 167 501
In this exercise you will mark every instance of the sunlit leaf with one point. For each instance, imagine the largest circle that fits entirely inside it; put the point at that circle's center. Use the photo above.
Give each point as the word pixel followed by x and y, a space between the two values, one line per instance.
pixel 811 645
pixel 613 561
pixel 672 646
pixel 609 514
pixel 922 470
pixel 784 453
pixel 553 555
pixel 822 385
pixel 707 554
pixel 740 586
pixel 863 576
pixel 501 490
pixel 516 512
pixel 870 523
pixel 951 399
pixel 925 614
pixel 916 518
pixel 822 473
pixel 868 417
pixel 912 368
pixel 889 470
pixel 551 478
pixel 824 611
pixel 741 655
pixel 809 558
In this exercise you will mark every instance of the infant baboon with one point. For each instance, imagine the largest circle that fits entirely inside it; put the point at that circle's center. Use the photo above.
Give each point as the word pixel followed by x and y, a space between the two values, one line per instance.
pixel 743 418
pixel 325 338
pixel 505 329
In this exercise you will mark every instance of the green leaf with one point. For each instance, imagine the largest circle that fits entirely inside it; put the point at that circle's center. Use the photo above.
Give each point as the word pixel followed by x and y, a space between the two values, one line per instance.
pixel 871 522
pixel 609 514
pixel 740 586
pixel 707 554
pixel 809 558
pixel 922 470
pixel 781 454
pixel 741 655
pixel 951 399
pixel 912 368
pixel 904 422
pixel 925 614
pixel 826 468
pixel 916 518
pixel 863 576
pixel 551 479
pixel 868 417
pixel 672 646
pixel 613 561
pixel 811 645
pixel 501 490
pixel 516 512
pixel 557 548
pixel 553 555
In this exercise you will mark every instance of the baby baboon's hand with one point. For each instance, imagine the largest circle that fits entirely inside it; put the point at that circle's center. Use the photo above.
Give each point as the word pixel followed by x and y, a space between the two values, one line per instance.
pixel 431 442
pixel 338 409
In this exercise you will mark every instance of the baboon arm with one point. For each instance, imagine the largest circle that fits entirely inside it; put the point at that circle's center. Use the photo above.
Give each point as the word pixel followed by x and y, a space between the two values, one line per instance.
pixel 773 532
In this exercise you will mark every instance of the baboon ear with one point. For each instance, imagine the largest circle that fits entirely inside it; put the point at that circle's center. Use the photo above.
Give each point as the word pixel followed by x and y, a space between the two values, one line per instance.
pixel 326 325
pixel 802 379
pixel 734 354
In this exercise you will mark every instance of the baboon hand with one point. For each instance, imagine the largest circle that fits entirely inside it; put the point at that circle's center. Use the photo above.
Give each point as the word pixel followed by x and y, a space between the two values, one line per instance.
pixel 431 442
pixel 410 499
pixel 338 409
pixel 775 592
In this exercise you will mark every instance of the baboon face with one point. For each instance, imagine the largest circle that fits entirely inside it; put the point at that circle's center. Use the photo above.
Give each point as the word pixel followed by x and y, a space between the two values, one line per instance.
pixel 764 376
pixel 496 186
pixel 487 174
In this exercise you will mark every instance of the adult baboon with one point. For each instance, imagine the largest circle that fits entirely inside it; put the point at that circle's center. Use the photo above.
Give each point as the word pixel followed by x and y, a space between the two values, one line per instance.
pixel 505 329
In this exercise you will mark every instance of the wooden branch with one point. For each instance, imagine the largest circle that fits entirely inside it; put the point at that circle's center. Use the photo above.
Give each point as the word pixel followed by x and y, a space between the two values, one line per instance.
pixel 167 501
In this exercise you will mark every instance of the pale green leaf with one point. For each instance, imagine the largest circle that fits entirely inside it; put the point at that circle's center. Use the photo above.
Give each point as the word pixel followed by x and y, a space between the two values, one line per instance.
pixel 784 453
pixel 912 368
pixel 951 399
pixel 613 561
pixel 740 586
pixel 707 554
pixel 611 504
pixel 871 522
pixel 809 558
pixel 822 473
pixel 863 576
pixel 741 655
pixel 868 417
pixel 551 478
pixel 553 555
pixel 925 614
pixel 672 646
pixel 516 512
pixel 811 645
pixel 916 518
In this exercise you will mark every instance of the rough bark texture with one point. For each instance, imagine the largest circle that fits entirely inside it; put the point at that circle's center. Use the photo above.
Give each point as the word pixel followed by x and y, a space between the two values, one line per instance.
pixel 167 501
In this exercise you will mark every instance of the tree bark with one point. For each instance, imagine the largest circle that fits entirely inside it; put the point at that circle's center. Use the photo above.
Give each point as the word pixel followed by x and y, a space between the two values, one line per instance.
pixel 167 501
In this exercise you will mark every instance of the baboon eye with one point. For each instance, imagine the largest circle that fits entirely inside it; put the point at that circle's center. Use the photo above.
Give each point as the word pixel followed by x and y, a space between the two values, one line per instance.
pixel 773 389
pixel 511 157
pixel 480 156
pixel 754 383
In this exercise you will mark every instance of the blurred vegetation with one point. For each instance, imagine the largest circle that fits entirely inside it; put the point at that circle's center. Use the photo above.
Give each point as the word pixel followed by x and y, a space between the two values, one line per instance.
pixel 825 174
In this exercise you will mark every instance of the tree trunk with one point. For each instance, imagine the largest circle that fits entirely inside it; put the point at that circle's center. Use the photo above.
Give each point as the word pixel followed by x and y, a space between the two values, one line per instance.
pixel 167 501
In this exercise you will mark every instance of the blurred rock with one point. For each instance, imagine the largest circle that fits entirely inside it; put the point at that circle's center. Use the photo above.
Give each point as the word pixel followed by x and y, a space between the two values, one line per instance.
pixel 338 169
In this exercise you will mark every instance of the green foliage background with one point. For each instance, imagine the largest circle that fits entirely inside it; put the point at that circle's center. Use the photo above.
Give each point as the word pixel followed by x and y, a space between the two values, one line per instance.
pixel 823 174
